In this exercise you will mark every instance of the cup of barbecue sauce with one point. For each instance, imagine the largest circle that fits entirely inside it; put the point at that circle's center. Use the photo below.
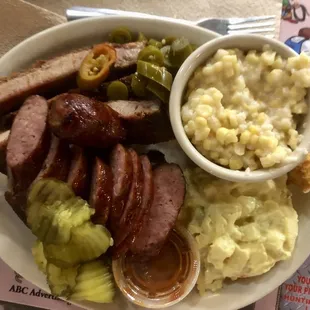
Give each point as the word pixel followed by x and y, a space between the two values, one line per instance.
pixel 163 280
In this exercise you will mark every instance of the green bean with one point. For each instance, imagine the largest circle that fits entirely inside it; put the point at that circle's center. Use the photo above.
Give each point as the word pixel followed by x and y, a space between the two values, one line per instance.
pixel 179 51
pixel 160 75
pixel 159 91
pixel 120 35
pixel 152 54
pixel 138 85
pixel 117 91
pixel 155 43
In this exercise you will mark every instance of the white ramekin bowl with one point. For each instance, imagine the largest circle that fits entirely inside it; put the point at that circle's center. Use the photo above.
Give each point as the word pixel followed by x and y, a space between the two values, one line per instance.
pixel 199 57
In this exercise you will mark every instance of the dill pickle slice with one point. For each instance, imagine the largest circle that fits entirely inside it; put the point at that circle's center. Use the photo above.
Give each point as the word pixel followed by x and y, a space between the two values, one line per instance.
pixel 94 283
pixel 72 213
pixel 45 191
pixel 43 224
pixel 53 211
pixel 61 281
pixel 88 241
pixel 38 255
pixel 49 190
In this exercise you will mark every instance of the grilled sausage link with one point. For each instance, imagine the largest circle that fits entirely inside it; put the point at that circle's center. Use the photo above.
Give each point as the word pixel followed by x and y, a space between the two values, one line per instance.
pixel 84 121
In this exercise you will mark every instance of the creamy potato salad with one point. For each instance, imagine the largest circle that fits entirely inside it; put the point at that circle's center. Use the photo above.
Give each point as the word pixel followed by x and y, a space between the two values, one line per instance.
pixel 242 229
pixel 241 107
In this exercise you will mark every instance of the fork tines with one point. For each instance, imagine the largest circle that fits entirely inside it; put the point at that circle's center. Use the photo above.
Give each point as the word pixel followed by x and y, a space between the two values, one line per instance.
pixel 255 24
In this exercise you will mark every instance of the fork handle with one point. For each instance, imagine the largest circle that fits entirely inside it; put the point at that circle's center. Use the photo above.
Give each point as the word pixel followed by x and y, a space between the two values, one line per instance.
pixel 78 12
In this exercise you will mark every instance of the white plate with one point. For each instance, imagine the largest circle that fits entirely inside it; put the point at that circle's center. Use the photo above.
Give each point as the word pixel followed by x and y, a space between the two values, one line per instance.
pixel 15 238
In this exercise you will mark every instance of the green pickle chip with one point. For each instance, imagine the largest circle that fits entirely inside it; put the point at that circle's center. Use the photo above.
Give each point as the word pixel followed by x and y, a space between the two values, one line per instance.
pixel 38 255
pixel 53 211
pixel 94 283
pixel 61 281
pixel 87 242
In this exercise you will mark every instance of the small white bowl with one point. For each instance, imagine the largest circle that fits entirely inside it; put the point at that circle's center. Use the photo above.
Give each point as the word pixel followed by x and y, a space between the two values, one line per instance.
pixel 199 57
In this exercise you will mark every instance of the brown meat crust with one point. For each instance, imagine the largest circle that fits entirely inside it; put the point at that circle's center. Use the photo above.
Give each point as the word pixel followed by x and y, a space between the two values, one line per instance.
pixel 85 122
pixel 147 198
pixel 78 177
pixel 57 162
pixel 4 138
pixel 133 202
pixel 101 191
pixel 121 166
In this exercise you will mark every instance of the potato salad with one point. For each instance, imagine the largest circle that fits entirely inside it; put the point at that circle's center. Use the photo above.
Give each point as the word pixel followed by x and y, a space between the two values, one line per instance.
pixel 241 232
pixel 241 107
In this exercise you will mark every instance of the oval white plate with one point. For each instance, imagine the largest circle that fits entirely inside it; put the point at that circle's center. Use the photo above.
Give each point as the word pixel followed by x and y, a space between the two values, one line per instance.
pixel 15 238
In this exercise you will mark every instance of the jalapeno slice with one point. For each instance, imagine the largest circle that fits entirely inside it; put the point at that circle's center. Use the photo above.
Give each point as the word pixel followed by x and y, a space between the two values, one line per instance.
pixel 168 40
pixel 160 75
pixel 117 91
pixel 167 63
pixel 120 35
pixel 95 67
pixel 152 55
pixel 159 91
pixel 179 51
pixel 138 85
pixel 155 43
pixel 141 37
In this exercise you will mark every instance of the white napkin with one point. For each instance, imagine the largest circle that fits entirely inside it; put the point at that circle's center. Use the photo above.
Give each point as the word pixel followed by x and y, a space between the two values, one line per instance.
pixel 20 19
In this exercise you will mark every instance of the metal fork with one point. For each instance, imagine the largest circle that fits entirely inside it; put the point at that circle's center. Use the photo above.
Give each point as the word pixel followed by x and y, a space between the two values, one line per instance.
pixel 264 25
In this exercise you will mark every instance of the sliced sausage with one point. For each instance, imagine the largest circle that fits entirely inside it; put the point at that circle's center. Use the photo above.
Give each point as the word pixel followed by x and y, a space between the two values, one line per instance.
pixel 147 195
pixel 169 191
pixel 78 177
pixel 4 138
pixel 28 143
pixel 121 166
pixel 133 202
pixel 101 191
pixel 57 162
pixel 147 198
pixel 84 121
